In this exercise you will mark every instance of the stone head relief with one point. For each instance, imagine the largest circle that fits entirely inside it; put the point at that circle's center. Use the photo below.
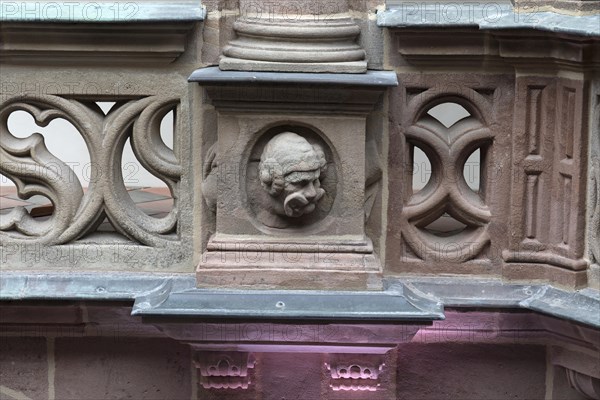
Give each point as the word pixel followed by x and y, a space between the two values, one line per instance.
pixel 290 170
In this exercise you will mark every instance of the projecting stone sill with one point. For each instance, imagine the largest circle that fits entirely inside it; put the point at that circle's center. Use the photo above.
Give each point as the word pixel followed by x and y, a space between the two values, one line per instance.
pixel 398 303
pixel 485 16
pixel 454 292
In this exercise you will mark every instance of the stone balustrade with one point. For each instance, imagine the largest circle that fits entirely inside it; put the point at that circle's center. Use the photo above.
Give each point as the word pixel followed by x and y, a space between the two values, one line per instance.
pixel 298 130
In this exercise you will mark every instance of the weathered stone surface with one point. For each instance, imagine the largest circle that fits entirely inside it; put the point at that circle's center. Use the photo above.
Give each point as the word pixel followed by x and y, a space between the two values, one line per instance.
pixel 24 368
pixel 593 201
pixel 291 376
pixel 532 99
pixel 460 371
pixel 121 367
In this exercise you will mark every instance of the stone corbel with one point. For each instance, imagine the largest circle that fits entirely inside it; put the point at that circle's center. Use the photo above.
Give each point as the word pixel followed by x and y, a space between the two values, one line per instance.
pixel 355 372
pixel 582 369
pixel 584 384
pixel 224 370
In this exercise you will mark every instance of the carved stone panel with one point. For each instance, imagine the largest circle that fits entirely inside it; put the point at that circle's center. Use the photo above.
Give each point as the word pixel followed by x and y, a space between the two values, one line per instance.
pixel 73 234
pixel 448 226
pixel 548 186
pixel 290 200
pixel 290 171
pixel 287 180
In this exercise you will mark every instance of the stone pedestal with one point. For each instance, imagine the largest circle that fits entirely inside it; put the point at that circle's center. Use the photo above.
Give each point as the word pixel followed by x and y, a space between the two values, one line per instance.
pixel 287 181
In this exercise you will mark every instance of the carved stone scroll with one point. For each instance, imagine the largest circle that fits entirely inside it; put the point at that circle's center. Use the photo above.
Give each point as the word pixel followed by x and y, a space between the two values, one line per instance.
pixel 101 223
pixel 36 171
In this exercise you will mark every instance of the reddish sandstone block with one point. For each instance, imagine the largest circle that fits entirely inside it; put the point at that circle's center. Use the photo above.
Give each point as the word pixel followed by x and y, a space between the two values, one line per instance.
pixel 122 368
pixel 428 371
pixel 23 368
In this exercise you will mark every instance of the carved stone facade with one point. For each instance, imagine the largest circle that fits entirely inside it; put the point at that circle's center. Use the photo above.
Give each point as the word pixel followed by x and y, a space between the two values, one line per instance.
pixel 365 199
pixel 527 219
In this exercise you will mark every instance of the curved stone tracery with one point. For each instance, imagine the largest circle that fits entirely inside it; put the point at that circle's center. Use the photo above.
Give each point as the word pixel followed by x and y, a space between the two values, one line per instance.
pixel 447 190
pixel 37 171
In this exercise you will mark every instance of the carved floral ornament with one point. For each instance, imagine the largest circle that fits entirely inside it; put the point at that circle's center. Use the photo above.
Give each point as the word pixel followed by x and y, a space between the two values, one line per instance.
pixel 36 171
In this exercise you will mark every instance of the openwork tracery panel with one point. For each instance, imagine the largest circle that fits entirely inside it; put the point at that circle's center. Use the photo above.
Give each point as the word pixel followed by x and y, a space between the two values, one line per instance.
pixel 77 212
pixel 450 224
pixel 447 192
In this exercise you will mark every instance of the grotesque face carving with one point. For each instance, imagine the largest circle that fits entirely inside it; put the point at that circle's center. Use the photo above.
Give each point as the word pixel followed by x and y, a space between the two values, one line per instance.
pixel 290 169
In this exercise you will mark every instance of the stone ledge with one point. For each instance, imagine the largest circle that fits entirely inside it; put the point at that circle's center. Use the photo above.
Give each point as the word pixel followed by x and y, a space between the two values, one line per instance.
pixel 101 11
pixel 581 306
pixel 486 16
pixel 215 76
pixel 397 304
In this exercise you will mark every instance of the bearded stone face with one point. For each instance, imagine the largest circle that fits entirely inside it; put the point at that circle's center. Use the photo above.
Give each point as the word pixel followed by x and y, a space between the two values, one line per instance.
pixel 290 170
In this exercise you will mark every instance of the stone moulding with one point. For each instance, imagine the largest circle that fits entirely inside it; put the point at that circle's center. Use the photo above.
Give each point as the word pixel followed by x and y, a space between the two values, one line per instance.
pixel 98 33
pixel 581 369
pixel 102 11
pixel 328 46
pixel 97 44
pixel 487 16
pixel 285 37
